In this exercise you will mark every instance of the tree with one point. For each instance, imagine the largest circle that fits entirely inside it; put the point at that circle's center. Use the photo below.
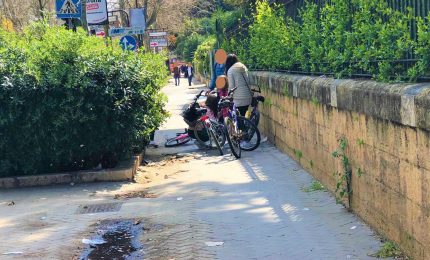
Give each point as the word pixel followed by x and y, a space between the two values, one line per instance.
pixel 20 13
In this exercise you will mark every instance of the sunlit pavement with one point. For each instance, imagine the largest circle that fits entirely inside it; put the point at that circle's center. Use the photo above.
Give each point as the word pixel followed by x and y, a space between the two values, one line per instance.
pixel 214 207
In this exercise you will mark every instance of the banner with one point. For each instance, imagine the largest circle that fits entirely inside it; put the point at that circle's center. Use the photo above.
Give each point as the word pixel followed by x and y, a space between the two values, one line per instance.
pixel 97 13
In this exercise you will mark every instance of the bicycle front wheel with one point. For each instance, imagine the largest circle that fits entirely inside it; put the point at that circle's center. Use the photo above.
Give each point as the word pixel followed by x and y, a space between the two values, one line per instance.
pixel 177 141
pixel 216 141
pixel 251 136
pixel 233 138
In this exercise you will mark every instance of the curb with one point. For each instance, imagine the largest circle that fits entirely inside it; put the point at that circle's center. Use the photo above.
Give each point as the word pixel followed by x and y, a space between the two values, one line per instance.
pixel 125 171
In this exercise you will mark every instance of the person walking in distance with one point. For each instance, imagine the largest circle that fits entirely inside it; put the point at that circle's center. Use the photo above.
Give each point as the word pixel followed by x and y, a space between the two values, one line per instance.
pixel 189 73
pixel 176 75
pixel 237 74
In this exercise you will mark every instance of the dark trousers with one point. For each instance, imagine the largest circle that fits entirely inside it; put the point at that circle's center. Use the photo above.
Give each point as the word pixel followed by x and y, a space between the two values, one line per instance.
pixel 190 80
pixel 242 110
pixel 177 81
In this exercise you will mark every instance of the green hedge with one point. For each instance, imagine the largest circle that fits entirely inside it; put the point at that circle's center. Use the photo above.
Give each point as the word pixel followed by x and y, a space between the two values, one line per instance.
pixel 202 56
pixel 69 102
pixel 342 37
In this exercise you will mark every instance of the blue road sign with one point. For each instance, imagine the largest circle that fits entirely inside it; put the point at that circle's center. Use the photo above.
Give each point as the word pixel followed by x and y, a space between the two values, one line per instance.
pixel 68 8
pixel 128 43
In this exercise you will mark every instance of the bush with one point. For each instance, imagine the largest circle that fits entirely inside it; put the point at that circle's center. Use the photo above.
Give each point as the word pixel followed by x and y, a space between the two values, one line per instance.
pixel 202 56
pixel 273 39
pixel 68 102
pixel 342 37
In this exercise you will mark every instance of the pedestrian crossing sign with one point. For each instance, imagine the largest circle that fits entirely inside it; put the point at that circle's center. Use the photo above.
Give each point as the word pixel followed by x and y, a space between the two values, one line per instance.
pixel 68 9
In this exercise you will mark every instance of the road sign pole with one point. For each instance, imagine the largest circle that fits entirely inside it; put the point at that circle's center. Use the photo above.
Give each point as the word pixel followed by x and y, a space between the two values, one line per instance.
pixel 69 24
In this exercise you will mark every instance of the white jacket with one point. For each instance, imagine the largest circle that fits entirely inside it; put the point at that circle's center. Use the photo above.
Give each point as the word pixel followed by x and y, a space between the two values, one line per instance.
pixel 237 75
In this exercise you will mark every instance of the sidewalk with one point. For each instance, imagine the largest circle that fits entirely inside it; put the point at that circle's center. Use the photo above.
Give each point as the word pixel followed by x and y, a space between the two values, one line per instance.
pixel 202 206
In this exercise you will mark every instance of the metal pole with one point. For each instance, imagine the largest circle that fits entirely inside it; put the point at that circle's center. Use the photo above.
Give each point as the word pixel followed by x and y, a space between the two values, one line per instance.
pixel 69 24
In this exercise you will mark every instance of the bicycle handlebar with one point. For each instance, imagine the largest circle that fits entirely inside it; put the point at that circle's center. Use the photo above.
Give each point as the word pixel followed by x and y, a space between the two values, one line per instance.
pixel 232 91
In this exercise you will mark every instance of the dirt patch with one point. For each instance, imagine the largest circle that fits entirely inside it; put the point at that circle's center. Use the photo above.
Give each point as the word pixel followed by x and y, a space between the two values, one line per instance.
pixel 135 194
pixel 160 168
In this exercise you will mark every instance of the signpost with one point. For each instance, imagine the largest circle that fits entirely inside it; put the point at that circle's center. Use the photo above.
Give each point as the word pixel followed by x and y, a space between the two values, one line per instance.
pixel 67 9
pixel 158 39
pixel 128 43
pixel 126 31
pixel 97 12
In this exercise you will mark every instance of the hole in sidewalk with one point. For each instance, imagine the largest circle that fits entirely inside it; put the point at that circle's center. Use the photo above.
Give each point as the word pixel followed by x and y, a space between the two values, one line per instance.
pixel 115 239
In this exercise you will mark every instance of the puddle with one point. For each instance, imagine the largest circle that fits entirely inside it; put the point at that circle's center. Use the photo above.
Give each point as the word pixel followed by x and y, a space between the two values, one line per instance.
pixel 116 239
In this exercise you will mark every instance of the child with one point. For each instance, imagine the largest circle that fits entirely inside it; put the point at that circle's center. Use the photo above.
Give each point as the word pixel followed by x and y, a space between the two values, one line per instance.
pixel 212 107
pixel 222 90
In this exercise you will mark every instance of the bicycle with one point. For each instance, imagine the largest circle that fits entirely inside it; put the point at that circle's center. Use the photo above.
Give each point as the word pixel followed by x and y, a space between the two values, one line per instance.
pixel 204 129
pixel 190 115
pixel 212 131
pixel 254 117
pixel 180 139
pixel 234 125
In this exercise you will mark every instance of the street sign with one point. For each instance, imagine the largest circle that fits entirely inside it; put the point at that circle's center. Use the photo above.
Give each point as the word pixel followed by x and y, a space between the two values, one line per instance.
pixel 158 39
pixel 137 18
pixel 158 42
pixel 128 43
pixel 68 9
pixel 97 12
pixel 100 34
pixel 157 34
pixel 126 31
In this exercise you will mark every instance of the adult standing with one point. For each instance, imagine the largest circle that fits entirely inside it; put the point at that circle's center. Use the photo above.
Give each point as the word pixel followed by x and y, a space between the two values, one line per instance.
pixel 219 67
pixel 189 74
pixel 176 75
pixel 237 74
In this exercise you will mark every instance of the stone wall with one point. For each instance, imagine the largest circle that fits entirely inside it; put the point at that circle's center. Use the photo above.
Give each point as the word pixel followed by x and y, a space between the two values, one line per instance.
pixel 387 130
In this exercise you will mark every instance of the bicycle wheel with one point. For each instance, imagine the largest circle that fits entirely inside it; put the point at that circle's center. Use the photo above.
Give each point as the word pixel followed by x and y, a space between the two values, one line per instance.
pixel 201 133
pixel 215 140
pixel 251 135
pixel 219 131
pixel 233 138
pixel 177 141
pixel 255 117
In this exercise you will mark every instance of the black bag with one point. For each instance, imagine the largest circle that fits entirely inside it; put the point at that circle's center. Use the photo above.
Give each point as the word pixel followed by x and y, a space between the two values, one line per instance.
pixel 190 115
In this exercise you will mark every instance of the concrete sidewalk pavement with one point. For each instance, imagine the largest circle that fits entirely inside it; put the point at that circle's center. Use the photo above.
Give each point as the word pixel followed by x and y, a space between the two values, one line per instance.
pixel 205 207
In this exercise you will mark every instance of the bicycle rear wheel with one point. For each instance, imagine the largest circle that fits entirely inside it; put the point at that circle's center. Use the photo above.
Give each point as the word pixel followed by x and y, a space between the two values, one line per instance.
pixel 251 135
pixel 233 138
pixel 201 133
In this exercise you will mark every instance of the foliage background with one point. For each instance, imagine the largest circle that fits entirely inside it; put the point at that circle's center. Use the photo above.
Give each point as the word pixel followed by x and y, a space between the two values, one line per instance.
pixel 341 37
pixel 68 102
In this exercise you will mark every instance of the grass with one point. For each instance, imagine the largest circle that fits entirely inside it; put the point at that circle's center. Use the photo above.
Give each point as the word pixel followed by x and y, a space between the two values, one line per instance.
pixel 315 186
pixel 390 249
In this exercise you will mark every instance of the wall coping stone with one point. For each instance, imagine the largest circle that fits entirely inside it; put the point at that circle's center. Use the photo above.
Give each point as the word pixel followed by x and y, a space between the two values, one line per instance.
pixel 404 103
